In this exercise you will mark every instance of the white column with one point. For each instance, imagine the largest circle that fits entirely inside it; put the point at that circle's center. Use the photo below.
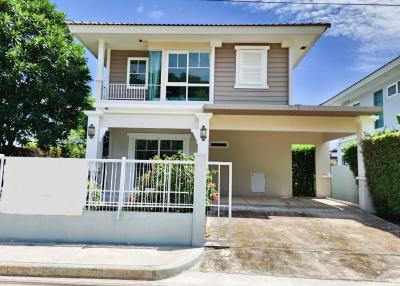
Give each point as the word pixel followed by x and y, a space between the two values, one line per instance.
pixel 366 125
pixel 100 68
pixel 199 200
pixel 322 170
pixel 93 145
pixel 213 44
pixel 203 120
pixel 200 180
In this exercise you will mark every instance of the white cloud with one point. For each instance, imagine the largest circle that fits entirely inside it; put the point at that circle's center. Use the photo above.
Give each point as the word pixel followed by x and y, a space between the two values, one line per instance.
pixel 376 30
pixel 156 14
pixel 140 8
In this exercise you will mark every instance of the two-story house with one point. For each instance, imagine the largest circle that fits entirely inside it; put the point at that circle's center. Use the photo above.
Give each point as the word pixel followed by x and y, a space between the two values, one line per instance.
pixel 224 91
pixel 380 88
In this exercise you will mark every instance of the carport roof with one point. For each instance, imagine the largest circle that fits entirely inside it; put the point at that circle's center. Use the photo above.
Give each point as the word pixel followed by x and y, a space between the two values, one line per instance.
pixel 291 110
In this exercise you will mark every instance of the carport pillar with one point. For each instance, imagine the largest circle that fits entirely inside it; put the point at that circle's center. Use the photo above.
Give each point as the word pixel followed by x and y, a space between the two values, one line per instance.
pixel 322 170
pixel 201 133
pixel 365 125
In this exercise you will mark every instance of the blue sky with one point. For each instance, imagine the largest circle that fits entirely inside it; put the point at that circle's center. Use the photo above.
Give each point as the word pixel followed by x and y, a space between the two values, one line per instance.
pixel 360 40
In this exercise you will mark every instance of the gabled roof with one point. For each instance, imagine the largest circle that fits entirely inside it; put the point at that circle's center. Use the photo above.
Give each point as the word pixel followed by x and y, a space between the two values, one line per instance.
pixel 373 75
pixel 197 25
pixel 300 37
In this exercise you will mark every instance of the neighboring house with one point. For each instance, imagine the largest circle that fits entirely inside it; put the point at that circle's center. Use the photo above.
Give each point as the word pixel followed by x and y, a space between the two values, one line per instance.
pixel 223 91
pixel 379 88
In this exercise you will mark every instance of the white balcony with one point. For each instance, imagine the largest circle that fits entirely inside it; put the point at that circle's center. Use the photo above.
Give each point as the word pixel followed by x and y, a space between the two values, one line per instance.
pixel 117 91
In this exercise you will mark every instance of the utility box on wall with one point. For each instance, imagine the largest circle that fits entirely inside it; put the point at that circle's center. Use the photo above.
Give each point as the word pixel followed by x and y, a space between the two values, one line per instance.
pixel 258 182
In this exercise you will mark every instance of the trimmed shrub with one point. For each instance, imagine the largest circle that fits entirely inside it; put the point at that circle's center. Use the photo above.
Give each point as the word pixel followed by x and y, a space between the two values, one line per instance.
pixel 382 166
pixel 350 156
pixel 303 170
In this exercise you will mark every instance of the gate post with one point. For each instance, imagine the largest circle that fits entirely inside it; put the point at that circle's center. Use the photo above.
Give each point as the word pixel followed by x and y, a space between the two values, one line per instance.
pixel 199 200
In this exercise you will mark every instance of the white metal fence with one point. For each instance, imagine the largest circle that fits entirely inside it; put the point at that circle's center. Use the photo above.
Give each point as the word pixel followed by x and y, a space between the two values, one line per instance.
pixel 219 202
pixel 116 91
pixel 140 185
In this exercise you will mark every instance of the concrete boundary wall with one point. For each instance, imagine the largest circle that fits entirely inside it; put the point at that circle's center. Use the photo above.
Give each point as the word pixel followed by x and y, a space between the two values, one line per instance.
pixel 144 228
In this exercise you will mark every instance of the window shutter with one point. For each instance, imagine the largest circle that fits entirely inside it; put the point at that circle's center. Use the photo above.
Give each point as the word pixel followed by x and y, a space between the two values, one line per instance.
pixel 251 67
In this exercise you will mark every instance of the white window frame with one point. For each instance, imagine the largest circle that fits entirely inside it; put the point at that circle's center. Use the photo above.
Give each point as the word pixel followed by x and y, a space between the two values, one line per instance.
pixel 263 50
pixel 186 84
pixel 156 136
pixel 128 71
pixel 396 84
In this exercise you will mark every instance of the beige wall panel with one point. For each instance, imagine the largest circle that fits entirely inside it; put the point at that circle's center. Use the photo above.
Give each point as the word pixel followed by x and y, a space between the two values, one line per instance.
pixel 119 64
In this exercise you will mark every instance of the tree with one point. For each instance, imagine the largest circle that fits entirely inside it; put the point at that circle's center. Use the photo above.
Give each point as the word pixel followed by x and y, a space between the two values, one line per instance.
pixel 43 75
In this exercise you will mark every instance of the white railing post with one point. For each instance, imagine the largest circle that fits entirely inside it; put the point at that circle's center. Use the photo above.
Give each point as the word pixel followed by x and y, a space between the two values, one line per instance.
pixel 121 186
pixel 230 203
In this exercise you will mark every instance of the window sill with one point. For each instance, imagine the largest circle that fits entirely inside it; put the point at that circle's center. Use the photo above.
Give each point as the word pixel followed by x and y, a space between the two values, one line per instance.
pixel 251 86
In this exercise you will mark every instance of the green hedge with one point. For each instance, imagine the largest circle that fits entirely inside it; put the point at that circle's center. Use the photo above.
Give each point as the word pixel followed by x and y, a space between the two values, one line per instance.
pixel 350 156
pixel 303 170
pixel 382 166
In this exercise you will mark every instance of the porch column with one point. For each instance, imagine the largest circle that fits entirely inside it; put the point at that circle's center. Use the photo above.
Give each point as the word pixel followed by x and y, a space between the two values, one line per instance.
pixel 100 68
pixel 322 170
pixel 365 125
pixel 93 145
pixel 203 121
pixel 200 179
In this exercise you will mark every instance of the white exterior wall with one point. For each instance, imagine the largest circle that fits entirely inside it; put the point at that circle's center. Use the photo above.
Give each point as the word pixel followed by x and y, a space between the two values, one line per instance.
pixel 257 151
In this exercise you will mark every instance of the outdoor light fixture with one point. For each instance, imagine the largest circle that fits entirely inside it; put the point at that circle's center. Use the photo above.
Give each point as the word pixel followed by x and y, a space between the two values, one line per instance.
pixel 91 131
pixel 203 133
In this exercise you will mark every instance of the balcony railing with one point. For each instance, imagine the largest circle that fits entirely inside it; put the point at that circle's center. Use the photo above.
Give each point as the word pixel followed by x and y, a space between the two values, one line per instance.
pixel 117 91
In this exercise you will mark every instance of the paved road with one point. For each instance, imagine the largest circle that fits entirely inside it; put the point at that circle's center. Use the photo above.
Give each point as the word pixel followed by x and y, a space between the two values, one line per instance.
pixel 191 278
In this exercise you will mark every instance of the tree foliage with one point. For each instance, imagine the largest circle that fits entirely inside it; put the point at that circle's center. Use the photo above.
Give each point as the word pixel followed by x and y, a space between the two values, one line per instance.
pixel 303 170
pixel 43 75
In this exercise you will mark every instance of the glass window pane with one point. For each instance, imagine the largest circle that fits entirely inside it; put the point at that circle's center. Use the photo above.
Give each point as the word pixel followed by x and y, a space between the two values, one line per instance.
pixel 177 74
pixel 198 93
pixel 204 59
pixel 154 91
pixel 172 60
pixel 145 155
pixel 177 145
pixel 137 78
pixel 165 145
pixel 199 75
pixel 134 66
pixel 392 90
pixel 142 66
pixel 152 145
pixel 176 93
pixel 140 145
pixel 193 59
pixel 182 58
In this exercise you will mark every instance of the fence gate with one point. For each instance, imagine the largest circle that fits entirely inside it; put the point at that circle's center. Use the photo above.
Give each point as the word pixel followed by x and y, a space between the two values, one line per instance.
pixel 219 203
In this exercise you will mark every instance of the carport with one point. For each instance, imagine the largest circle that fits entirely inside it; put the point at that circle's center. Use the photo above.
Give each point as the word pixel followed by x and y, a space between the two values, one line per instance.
pixel 257 139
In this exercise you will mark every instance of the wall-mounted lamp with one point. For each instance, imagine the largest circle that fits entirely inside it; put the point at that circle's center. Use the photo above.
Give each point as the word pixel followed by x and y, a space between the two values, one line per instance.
pixel 203 133
pixel 91 131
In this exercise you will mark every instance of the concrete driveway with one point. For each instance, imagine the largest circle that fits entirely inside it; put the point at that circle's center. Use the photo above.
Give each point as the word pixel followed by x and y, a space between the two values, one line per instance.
pixel 307 239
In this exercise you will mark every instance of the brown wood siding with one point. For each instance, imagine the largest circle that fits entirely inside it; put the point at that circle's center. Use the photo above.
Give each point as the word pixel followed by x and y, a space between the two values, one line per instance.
pixel 119 62
pixel 278 78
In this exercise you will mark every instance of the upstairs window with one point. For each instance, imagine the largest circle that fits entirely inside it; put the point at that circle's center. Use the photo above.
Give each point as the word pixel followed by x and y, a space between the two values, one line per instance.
pixel 188 76
pixel 378 101
pixel 393 89
pixel 251 67
pixel 137 71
